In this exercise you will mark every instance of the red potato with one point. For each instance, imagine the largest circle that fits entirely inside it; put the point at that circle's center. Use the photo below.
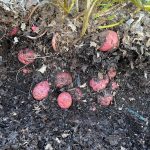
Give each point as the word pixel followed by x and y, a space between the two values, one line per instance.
pixel 35 28
pixel 13 31
pixel 106 100
pixel 26 56
pixel 111 40
pixel 112 72
pixel 98 84
pixel 64 100
pixel 41 90
pixel 114 85
pixel 54 41
pixel 63 79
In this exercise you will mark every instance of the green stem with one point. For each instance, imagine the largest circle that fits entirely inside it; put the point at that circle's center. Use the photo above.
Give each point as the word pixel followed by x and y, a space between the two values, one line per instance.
pixel 111 25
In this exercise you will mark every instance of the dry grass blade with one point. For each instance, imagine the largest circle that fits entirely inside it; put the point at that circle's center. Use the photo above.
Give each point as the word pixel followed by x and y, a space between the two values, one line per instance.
pixel 66 5
pixel 145 5
pixel 87 14
pixel 72 4
pixel 137 2
pixel 77 5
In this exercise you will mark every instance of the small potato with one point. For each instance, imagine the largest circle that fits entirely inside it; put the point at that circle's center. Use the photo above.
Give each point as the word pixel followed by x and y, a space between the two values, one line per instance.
pixel 64 100
pixel 98 84
pixel 35 29
pixel 63 79
pixel 114 85
pixel 106 100
pixel 13 31
pixel 26 70
pixel 26 56
pixel 41 90
pixel 110 42
pixel 112 73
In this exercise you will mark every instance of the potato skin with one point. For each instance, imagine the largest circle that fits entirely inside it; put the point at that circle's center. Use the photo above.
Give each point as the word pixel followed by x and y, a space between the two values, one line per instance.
pixel 64 100
pixel 112 73
pixel 106 100
pixel 41 90
pixel 26 56
pixel 13 31
pixel 63 79
pixel 98 84
pixel 114 85
pixel 110 42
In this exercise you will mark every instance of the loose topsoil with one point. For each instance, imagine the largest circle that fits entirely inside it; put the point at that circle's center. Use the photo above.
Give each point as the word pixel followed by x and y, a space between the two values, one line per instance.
pixel 27 124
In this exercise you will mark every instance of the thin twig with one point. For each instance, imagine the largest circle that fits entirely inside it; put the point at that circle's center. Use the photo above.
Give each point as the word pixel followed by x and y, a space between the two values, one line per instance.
pixel 3 35
pixel 113 9
pixel 19 72
pixel 32 12
pixel 36 37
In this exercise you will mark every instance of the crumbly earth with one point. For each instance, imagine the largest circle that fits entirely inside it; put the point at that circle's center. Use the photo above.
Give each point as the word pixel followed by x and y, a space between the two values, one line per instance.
pixel 27 124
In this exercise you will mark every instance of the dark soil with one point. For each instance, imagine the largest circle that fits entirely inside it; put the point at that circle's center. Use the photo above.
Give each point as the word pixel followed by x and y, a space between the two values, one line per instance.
pixel 26 124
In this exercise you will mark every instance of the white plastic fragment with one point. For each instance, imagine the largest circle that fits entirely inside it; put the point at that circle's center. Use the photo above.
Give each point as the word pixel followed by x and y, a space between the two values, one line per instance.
pixel 64 135
pixel 93 44
pixel 83 85
pixel 57 140
pixel 98 54
pixel 48 147
pixel 15 40
pixel 130 21
pixel 23 26
pixel 43 68
pixel 72 26
pixel 123 148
